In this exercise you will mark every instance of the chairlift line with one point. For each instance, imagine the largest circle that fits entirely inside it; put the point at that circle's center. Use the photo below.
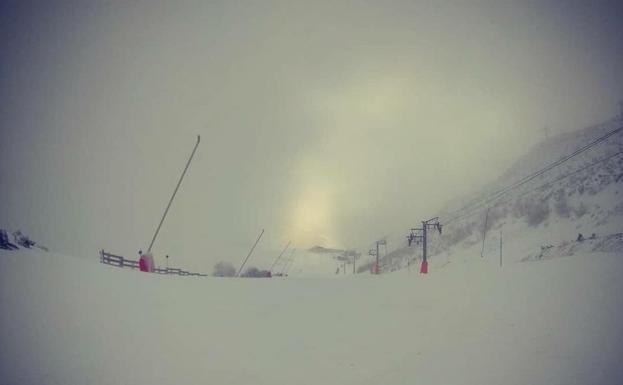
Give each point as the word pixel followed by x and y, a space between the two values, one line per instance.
pixel 475 209
pixel 495 195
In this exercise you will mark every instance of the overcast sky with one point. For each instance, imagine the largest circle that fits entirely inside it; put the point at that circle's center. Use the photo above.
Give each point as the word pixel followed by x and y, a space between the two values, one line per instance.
pixel 323 122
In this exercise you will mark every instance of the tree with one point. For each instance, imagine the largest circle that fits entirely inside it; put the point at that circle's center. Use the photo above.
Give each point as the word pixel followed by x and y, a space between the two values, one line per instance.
pixel 224 269
pixel 254 272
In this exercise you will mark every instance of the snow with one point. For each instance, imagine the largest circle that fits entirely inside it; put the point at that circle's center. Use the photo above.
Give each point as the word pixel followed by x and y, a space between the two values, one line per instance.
pixel 550 210
pixel 547 316
pixel 68 320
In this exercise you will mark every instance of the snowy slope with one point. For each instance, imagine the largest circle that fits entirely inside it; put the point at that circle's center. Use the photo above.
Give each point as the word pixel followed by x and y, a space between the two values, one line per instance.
pixel 582 195
pixel 550 314
pixel 74 321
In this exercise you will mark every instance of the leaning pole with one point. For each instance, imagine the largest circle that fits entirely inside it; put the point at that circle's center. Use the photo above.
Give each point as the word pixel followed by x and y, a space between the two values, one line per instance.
pixel 279 257
pixel 248 255
pixel 173 196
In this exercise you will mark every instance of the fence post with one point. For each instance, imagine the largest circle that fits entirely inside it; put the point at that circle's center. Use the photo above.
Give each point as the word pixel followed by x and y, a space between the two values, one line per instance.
pixel 120 261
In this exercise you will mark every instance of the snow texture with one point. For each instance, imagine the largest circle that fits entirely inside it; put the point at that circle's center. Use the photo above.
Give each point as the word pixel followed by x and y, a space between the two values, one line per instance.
pixel 70 321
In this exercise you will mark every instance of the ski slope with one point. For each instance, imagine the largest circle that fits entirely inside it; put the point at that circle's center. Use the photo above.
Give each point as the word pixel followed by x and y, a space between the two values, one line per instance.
pixel 583 194
pixel 69 320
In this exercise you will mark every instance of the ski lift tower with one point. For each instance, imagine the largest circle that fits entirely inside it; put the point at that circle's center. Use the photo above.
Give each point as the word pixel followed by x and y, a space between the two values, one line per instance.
pixel 431 223
pixel 379 243
pixel 373 253
pixel 420 235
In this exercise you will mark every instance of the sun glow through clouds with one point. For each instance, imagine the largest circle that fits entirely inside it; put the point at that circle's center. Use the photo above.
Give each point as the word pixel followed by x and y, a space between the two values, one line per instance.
pixel 311 221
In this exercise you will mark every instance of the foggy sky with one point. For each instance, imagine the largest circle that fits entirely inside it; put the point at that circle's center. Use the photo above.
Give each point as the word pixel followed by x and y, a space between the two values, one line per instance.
pixel 323 123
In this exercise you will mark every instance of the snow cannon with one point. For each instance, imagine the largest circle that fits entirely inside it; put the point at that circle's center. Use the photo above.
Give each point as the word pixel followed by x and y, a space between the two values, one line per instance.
pixel 146 263
pixel 375 269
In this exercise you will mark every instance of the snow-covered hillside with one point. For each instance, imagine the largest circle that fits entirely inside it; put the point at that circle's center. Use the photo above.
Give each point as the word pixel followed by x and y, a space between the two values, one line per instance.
pixel 71 321
pixel 583 195
pixel 521 300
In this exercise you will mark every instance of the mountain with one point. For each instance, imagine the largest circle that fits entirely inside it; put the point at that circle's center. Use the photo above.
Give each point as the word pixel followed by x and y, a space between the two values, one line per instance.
pixel 530 209
pixel 324 250
pixel 536 303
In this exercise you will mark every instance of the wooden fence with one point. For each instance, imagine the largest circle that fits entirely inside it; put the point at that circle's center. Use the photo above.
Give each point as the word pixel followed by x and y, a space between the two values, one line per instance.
pixel 119 261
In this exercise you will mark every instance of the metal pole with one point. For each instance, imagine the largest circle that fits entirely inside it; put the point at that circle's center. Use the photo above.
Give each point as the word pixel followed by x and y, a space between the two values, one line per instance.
pixel 378 268
pixel 250 251
pixel 500 248
pixel 279 257
pixel 283 269
pixel 484 234
pixel 423 241
pixel 290 262
pixel 173 196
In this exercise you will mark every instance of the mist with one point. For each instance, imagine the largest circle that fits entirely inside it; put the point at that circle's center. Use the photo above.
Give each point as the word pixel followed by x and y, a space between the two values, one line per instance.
pixel 324 124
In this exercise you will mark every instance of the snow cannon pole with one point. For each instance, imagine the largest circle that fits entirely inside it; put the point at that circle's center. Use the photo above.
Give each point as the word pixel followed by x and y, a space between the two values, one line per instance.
pixel 287 263
pixel 173 196
pixel 248 255
pixel 291 262
pixel 279 257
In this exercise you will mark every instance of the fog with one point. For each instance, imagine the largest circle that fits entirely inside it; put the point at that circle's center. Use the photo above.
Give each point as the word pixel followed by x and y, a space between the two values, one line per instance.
pixel 324 124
